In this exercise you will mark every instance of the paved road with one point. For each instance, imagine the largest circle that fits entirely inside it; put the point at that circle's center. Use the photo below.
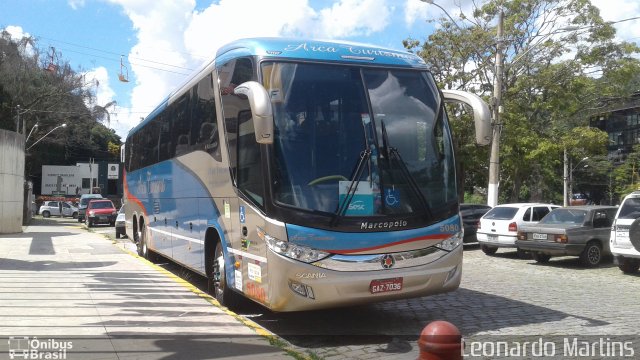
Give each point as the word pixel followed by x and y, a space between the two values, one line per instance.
pixel 502 298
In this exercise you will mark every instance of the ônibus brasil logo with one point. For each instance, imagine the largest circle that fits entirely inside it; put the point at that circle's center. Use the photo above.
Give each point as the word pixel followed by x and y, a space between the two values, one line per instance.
pixel 23 347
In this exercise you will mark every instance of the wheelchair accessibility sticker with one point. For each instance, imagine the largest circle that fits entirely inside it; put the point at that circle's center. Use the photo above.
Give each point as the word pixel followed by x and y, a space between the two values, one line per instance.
pixel 392 197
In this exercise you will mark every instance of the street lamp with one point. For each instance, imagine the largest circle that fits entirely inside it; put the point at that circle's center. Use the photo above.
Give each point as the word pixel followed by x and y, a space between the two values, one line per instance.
pixel 568 176
pixel 494 159
pixel 28 136
pixel 45 135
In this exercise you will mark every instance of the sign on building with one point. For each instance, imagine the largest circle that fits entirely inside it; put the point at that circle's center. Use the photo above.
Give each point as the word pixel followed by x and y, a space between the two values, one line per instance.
pixel 113 171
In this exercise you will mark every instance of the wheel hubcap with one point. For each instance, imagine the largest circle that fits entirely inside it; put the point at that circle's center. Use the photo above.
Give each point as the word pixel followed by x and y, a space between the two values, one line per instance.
pixel 218 269
pixel 594 255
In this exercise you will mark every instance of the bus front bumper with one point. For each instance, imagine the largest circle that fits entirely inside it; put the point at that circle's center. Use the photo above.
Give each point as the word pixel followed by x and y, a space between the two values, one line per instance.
pixel 300 286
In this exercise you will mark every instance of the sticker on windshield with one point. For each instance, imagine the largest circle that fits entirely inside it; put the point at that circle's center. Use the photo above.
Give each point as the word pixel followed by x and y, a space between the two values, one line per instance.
pixel 392 197
pixel 362 201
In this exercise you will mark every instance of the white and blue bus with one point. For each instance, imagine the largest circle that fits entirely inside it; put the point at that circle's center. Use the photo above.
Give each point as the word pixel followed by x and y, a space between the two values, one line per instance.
pixel 303 174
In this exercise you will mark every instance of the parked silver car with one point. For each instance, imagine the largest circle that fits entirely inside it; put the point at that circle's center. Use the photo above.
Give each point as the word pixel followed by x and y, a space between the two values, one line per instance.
pixel 52 208
pixel 570 231
pixel 121 224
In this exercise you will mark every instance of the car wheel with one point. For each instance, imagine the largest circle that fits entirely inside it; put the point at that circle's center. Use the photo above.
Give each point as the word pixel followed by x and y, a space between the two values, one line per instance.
pixel 591 255
pixel 89 223
pixel 46 214
pixel 75 215
pixel 541 258
pixel 217 281
pixel 522 254
pixel 489 250
pixel 628 266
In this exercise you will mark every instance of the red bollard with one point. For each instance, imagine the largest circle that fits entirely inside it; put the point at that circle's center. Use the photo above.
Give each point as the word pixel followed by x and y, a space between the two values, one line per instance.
pixel 440 340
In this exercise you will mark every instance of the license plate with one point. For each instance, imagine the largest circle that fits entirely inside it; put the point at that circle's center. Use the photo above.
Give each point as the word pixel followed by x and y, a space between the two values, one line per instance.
pixel 385 285
pixel 540 236
pixel 493 238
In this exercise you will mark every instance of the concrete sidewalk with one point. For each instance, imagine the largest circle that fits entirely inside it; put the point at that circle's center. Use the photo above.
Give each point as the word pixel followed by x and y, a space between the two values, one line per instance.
pixel 68 293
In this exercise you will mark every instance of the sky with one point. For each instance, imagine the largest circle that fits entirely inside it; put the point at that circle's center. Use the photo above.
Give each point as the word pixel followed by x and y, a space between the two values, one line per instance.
pixel 160 42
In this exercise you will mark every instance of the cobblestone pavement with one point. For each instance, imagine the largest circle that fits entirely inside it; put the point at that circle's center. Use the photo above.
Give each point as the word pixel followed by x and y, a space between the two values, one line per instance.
pixel 501 298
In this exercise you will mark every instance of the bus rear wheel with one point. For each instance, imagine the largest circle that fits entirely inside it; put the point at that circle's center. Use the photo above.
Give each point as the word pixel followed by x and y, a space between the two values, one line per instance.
pixel 143 246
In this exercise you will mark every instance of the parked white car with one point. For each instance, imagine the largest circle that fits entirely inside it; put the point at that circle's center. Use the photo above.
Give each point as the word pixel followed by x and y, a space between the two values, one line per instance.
pixel 52 208
pixel 624 248
pixel 498 228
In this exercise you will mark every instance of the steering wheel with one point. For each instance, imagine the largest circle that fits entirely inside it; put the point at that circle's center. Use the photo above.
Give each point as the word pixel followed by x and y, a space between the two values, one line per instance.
pixel 327 178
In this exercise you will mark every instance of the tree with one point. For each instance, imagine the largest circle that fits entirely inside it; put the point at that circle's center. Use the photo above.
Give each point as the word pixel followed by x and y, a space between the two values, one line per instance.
pixel 560 59
pixel 50 96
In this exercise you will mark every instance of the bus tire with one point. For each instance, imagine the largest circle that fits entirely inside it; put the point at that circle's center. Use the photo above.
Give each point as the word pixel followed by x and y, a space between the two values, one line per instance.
pixel 143 244
pixel 217 281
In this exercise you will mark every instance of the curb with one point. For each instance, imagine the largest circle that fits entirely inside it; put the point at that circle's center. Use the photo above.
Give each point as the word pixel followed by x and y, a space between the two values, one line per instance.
pixel 273 339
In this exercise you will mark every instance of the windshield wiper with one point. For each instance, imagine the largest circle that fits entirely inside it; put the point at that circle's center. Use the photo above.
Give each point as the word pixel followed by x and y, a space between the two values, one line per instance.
pixel 353 185
pixel 392 153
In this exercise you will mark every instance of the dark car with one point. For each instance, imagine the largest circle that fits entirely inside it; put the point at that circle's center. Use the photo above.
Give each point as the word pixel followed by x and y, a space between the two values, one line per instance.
pixel 471 214
pixel 582 231
pixel 100 211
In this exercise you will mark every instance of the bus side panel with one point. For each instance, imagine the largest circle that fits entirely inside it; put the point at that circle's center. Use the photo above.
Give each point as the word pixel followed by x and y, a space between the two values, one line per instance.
pixel 205 187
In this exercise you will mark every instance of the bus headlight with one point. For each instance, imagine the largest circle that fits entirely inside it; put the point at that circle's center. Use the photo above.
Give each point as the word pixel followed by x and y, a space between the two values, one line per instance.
pixel 290 250
pixel 451 243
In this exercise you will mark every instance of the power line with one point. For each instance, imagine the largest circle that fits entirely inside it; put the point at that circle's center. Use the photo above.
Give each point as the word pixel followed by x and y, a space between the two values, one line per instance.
pixel 138 64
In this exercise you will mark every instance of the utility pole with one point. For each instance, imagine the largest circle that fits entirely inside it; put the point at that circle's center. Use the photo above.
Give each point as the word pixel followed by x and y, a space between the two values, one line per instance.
pixel 18 119
pixel 494 160
pixel 565 178
pixel 90 175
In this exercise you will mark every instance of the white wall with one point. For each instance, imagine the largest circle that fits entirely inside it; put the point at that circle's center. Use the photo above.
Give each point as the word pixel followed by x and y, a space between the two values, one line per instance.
pixel 11 181
pixel 71 178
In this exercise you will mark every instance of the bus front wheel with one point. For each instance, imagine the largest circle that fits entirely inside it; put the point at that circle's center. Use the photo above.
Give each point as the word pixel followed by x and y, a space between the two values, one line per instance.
pixel 217 280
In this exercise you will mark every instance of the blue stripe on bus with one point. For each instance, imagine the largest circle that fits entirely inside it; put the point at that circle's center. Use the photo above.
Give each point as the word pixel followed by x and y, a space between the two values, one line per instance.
pixel 342 242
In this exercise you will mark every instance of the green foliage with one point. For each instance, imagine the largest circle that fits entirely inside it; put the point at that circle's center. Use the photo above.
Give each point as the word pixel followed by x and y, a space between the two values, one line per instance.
pixel 36 93
pixel 474 198
pixel 561 60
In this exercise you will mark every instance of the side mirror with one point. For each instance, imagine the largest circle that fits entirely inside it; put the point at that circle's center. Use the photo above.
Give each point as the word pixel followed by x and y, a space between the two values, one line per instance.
pixel 481 112
pixel 260 108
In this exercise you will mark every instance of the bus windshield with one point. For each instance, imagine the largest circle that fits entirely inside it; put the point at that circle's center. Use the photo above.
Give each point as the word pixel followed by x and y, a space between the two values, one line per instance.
pixel 371 141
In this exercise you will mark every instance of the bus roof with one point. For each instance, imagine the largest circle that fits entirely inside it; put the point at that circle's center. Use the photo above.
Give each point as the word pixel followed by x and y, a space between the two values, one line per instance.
pixel 300 49
pixel 320 50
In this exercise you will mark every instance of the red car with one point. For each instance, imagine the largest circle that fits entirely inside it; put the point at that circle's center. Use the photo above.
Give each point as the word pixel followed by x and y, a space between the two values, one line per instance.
pixel 101 211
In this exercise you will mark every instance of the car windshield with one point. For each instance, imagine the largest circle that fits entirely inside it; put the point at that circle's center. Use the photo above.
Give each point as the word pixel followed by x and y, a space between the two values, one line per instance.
pixel 565 216
pixel 101 205
pixel 374 131
pixel 501 213
pixel 85 201
pixel 630 209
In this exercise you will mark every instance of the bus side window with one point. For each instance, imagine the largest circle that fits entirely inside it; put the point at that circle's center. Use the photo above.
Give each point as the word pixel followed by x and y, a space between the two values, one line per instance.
pixel 231 74
pixel 204 128
pixel 250 177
